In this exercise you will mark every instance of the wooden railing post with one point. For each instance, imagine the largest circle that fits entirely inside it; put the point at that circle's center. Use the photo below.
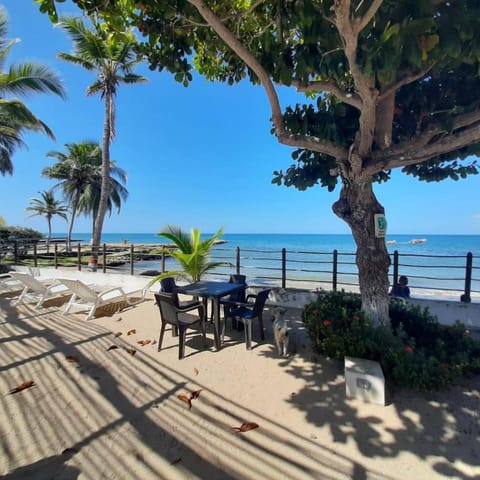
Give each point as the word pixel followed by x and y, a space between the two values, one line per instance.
pixel 35 260
pixel 395 267
pixel 237 269
pixel 284 267
pixel 55 255
pixel 335 270
pixel 79 257
pixel 15 252
pixel 163 262
pixel 131 260
pixel 466 298
pixel 104 255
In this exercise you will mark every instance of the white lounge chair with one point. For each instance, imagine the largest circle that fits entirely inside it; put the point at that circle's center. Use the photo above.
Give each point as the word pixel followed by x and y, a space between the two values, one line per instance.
pixel 36 290
pixel 88 298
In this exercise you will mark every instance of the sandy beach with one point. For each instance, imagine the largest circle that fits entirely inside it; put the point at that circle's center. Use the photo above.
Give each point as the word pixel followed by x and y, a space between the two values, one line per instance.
pixel 95 412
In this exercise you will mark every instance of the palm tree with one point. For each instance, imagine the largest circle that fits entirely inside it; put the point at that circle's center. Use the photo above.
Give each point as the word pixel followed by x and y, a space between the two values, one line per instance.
pixel 113 58
pixel 193 254
pixel 22 80
pixel 80 173
pixel 47 206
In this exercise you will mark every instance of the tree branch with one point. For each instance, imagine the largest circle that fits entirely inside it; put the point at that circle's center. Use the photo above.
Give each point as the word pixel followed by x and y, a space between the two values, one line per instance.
pixel 362 22
pixel 331 87
pixel 404 81
pixel 284 137
pixel 420 149
pixel 364 85
pixel 446 144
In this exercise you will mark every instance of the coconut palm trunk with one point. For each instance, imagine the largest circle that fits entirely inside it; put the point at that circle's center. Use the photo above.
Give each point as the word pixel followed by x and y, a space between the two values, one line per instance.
pixel 105 188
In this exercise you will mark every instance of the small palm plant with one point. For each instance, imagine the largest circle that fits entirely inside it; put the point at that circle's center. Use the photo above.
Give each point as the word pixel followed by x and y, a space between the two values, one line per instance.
pixel 192 253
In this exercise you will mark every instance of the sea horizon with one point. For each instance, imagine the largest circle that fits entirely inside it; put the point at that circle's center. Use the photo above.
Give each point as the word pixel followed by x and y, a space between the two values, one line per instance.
pixel 435 263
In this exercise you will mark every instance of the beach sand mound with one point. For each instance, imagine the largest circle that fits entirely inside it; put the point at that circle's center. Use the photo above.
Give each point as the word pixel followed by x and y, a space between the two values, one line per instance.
pixel 123 413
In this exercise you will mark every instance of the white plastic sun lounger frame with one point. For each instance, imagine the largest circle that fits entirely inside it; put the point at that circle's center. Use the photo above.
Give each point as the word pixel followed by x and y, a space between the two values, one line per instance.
pixel 36 290
pixel 85 297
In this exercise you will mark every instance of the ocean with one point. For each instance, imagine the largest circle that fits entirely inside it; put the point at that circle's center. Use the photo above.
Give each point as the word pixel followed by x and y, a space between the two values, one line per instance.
pixel 437 263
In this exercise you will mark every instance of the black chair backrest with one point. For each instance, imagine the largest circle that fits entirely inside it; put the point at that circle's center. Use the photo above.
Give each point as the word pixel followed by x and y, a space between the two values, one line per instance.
pixel 167 284
pixel 168 307
pixel 239 295
pixel 260 301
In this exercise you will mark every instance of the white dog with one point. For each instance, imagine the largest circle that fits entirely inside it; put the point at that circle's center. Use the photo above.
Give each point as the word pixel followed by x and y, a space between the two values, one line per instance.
pixel 281 330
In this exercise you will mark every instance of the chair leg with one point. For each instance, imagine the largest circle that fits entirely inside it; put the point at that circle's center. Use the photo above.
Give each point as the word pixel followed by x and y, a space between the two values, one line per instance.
pixel 182 330
pixel 162 333
pixel 204 332
pixel 174 331
pixel 262 330
pixel 248 333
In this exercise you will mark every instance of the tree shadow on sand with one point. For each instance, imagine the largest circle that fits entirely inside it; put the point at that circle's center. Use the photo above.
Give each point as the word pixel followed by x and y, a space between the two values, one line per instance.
pixel 441 427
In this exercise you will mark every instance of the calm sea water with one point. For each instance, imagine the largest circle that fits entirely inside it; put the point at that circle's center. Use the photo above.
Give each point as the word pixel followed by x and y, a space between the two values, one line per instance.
pixel 436 264
pixel 435 244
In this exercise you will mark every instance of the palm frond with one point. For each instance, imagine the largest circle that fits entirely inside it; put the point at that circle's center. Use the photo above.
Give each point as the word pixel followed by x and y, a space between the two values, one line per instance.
pixel 26 78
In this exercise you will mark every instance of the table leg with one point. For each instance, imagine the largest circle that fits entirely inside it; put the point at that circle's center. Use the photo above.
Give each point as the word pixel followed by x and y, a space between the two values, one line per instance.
pixel 216 323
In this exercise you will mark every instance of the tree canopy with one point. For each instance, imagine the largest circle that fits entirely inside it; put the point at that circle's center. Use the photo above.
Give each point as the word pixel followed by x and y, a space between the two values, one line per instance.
pixel 384 84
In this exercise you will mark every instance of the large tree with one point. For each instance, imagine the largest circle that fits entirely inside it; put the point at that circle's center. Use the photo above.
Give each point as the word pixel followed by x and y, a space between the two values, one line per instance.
pixel 21 79
pixel 387 84
pixel 79 171
pixel 113 59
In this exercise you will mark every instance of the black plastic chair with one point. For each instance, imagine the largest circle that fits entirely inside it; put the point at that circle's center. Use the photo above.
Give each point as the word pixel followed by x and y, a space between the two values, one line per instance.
pixel 232 300
pixel 168 285
pixel 171 313
pixel 246 313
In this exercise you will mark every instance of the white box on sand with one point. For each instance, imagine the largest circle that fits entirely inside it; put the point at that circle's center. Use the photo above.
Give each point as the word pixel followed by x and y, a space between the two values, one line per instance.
pixel 364 380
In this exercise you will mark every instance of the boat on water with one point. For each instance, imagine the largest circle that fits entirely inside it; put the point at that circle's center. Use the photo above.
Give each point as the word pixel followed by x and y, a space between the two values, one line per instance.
pixel 391 242
pixel 418 240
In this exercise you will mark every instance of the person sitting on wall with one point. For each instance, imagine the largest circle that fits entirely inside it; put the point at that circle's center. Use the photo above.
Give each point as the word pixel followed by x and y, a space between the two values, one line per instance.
pixel 401 289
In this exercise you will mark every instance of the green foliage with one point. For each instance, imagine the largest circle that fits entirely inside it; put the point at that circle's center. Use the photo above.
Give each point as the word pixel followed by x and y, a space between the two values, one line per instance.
pixel 417 352
pixel 192 253
pixel 16 232
pixel 20 80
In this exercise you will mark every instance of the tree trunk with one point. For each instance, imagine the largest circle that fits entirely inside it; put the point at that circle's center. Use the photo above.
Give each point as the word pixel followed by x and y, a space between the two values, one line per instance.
pixel 357 206
pixel 49 237
pixel 105 188
pixel 72 220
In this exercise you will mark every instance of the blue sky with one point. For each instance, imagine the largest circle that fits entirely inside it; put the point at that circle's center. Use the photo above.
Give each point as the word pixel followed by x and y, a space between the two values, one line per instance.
pixel 201 156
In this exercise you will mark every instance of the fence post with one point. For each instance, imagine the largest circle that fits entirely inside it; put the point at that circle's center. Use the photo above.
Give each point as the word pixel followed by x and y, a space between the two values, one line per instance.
pixel 238 261
pixel 395 267
pixel 335 270
pixel 79 257
pixel 15 252
pixel 284 267
pixel 468 279
pixel 55 255
pixel 131 260
pixel 35 261
pixel 163 262
pixel 104 255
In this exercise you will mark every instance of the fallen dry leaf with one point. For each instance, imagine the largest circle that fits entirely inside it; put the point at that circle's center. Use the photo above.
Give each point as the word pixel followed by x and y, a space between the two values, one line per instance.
pixel 112 347
pixel 245 427
pixel 173 462
pixel 195 394
pixel 119 319
pixel 185 398
pixel 71 359
pixel 22 386
pixel 131 351
pixel 195 371
pixel 131 332
pixel 118 334
pixel 144 342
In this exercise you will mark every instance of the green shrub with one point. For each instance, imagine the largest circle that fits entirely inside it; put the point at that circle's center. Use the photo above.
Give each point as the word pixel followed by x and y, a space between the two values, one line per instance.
pixel 414 351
